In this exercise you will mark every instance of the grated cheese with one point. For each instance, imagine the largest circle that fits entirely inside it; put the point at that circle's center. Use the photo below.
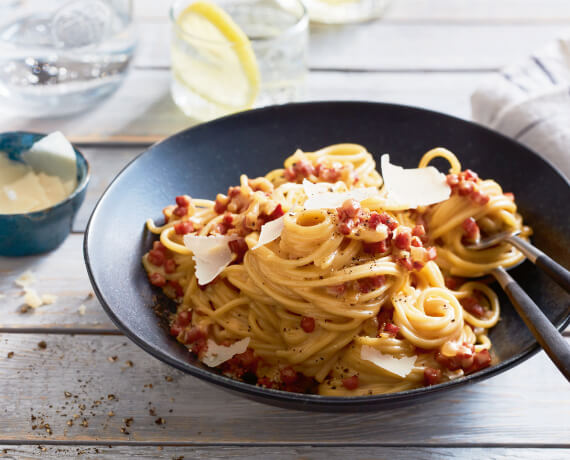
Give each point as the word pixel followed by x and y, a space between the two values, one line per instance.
pixel 25 279
pixel 48 299
pixel 32 299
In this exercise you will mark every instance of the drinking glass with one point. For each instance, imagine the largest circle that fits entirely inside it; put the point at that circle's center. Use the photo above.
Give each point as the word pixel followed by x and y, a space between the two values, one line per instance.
pixel 204 81
pixel 345 11
pixel 61 56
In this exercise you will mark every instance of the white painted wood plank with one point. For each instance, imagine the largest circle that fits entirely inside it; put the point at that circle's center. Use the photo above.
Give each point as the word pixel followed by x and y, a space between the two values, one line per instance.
pixel 505 11
pixel 473 11
pixel 62 273
pixel 276 452
pixel 142 108
pixel 384 46
pixel 526 406
pixel 105 164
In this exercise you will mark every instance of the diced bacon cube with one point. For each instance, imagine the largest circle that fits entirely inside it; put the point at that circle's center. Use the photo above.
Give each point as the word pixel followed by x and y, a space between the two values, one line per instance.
pixel 308 324
pixel 375 248
pixel 180 211
pixel 465 188
pixel 403 239
pixel 288 375
pixel 471 229
pixel 350 383
pixel 432 376
pixel 156 279
pixel 184 227
pixel 391 329
pixel 169 266
pixel 183 201
pixel 239 248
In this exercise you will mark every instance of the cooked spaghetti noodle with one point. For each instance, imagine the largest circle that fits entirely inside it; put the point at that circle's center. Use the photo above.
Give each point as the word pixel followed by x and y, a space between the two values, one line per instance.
pixel 350 300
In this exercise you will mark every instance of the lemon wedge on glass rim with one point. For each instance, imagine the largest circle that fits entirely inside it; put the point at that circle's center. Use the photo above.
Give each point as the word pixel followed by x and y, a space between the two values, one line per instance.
pixel 215 59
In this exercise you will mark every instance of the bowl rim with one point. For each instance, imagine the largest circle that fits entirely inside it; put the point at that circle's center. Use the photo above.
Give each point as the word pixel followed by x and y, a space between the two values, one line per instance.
pixel 303 400
pixel 76 191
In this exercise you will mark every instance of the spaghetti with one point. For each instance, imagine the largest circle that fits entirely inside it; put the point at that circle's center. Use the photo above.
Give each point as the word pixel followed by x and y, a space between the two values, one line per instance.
pixel 358 298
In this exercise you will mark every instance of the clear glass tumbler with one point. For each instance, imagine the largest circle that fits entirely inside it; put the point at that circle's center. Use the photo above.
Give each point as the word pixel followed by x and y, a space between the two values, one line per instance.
pixel 345 11
pixel 212 78
pixel 60 56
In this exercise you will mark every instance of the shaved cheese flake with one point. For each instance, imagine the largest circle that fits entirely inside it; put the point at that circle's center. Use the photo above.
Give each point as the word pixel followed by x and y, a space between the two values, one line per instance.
pixel 334 200
pixel 82 309
pixel 32 299
pixel 48 299
pixel 25 279
pixel 218 354
pixel 270 232
pixel 54 155
pixel 400 367
pixel 452 375
pixel 314 189
pixel 211 255
pixel 410 188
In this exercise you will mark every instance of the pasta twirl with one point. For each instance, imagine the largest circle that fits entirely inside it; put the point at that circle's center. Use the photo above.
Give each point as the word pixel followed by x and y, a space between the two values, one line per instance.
pixel 351 295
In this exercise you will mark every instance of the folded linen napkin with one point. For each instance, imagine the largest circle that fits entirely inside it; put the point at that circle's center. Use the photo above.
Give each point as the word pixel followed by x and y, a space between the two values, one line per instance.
pixel 530 102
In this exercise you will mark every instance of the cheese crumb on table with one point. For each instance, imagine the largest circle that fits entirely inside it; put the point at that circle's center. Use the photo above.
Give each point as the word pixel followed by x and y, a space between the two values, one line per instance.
pixel 25 279
pixel 32 299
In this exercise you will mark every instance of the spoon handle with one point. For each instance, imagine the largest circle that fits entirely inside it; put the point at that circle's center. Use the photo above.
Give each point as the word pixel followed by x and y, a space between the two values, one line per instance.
pixel 556 271
pixel 543 330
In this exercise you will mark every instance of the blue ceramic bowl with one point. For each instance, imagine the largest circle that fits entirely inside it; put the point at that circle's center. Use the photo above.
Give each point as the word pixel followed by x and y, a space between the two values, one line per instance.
pixel 39 231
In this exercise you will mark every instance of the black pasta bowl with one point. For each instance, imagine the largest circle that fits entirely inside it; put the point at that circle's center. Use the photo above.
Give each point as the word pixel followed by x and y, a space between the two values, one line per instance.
pixel 207 159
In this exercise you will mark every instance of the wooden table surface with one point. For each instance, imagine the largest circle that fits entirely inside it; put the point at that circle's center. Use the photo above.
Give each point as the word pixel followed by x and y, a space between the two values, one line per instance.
pixel 71 384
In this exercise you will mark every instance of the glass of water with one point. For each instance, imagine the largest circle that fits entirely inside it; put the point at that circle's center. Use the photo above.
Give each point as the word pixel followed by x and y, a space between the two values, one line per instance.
pixel 214 76
pixel 61 56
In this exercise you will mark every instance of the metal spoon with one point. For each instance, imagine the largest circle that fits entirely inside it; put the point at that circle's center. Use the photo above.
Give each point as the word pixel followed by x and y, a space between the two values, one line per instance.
pixel 557 348
pixel 556 271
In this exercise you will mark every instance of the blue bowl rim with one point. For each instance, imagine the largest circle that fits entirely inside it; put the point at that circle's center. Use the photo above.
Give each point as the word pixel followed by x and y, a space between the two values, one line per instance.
pixel 78 189
pixel 314 402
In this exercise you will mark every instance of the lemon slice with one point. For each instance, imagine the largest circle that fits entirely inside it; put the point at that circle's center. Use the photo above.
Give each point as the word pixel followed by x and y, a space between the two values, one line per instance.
pixel 213 57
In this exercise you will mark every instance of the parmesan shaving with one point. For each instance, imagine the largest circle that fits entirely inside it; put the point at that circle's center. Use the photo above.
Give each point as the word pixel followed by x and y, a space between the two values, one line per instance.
pixel 400 367
pixel 211 255
pixel 314 189
pixel 25 279
pixel 218 354
pixel 410 188
pixel 48 299
pixel 82 308
pixel 32 299
pixel 270 232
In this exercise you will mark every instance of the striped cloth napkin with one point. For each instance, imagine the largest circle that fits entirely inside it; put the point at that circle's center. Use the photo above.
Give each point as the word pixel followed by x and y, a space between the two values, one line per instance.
pixel 530 102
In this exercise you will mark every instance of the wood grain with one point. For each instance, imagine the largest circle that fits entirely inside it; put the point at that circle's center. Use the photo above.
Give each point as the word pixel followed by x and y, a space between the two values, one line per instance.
pixel 142 110
pixel 90 368
pixel 105 164
pixel 428 11
pixel 378 46
pixel 277 452
pixel 62 273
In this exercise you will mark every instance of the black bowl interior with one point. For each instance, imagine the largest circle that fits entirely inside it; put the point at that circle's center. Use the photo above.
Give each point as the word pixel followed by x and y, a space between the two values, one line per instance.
pixel 205 160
